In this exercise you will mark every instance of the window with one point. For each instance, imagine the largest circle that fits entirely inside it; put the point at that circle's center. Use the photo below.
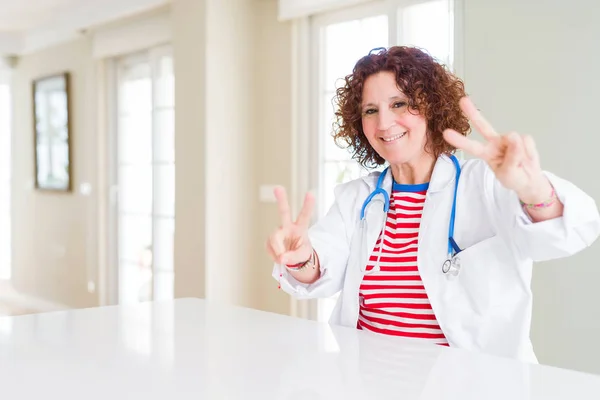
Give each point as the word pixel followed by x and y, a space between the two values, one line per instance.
pixel 343 44
pixel 341 39
pixel 144 176
pixel 5 179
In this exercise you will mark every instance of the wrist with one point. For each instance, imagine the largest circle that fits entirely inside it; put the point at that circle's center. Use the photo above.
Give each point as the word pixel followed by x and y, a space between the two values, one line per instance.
pixel 301 266
pixel 537 193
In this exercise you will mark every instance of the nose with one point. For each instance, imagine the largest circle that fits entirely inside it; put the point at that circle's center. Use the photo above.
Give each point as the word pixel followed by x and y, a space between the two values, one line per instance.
pixel 386 119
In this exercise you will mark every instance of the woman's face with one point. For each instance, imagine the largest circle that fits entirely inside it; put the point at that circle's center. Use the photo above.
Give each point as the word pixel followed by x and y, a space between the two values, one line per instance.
pixel 395 133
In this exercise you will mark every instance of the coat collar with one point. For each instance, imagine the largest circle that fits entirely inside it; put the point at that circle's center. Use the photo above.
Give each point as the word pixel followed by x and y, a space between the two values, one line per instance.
pixel 444 174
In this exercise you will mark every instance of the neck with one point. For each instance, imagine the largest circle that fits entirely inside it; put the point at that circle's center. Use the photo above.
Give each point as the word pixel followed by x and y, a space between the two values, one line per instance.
pixel 413 173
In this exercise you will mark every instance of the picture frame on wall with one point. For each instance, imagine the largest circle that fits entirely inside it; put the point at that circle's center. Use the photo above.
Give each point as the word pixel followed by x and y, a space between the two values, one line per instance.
pixel 52 132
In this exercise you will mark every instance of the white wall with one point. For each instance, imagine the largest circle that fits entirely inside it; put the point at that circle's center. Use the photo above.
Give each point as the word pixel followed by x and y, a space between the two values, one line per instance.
pixel 532 66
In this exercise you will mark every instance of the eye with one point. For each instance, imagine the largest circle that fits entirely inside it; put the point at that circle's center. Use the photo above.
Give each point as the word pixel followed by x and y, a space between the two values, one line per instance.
pixel 399 104
pixel 370 111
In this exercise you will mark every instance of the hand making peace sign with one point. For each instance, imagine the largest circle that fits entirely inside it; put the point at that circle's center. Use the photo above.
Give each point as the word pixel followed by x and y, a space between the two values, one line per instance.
pixel 290 244
pixel 513 158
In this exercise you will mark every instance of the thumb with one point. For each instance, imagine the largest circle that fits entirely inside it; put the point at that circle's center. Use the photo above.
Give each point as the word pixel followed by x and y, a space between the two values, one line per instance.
pixel 514 152
pixel 297 256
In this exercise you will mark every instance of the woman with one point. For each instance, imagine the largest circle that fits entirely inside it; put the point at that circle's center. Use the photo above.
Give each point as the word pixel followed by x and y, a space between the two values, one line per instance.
pixel 448 259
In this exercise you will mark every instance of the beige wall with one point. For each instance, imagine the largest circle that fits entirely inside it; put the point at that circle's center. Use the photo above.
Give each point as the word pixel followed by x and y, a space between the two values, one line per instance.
pixel 230 159
pixel 233 132
pixel 232 120
pixel 189 52
pixel 54 234
pixel 273 138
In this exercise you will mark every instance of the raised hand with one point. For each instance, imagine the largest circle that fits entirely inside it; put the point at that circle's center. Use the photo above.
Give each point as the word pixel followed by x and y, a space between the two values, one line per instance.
pixel 513 157
pixel 289 244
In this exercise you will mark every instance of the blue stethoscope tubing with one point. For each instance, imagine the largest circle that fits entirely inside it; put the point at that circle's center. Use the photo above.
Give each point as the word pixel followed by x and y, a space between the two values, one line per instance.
pixel 378 190
pixel 453 248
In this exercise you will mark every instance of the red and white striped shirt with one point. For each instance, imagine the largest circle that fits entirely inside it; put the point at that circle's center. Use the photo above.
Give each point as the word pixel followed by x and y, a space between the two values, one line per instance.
pixel 392 297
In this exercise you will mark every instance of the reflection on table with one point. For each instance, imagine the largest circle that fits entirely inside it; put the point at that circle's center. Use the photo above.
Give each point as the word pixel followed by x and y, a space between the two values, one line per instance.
pixel 193 349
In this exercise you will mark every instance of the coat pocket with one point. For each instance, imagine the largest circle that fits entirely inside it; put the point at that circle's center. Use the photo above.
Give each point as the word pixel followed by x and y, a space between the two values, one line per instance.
pixel 483 272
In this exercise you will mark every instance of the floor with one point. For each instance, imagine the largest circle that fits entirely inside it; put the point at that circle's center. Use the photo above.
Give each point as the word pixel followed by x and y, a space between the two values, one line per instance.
pixel 9 309
pixel 9 304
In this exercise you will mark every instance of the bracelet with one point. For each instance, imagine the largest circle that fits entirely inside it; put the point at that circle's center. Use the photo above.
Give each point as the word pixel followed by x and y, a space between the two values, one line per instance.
pixel 302 266
pixel 543 204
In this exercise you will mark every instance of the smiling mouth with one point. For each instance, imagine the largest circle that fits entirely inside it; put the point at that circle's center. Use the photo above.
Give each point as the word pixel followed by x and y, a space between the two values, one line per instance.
pixel 394 138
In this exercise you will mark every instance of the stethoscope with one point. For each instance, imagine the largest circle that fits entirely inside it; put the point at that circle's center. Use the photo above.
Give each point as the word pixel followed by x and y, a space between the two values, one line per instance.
pixel 451 265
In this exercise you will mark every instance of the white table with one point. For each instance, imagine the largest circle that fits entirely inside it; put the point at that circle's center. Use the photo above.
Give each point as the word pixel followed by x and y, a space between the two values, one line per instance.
pixel 192 349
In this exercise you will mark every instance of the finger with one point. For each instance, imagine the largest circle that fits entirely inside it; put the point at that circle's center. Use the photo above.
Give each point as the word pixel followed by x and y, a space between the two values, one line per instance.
pixel 278 258
pixel 271 251
pixel 297 256
pixel 277 243
pixel 475 116
pixel 514 151
pixel 462 142
pixel 305 215
pixel 283 206
pixel 531 150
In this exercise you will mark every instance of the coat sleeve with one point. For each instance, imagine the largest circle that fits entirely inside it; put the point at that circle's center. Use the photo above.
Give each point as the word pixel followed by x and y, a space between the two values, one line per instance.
pixel 575 230
pixel 330 237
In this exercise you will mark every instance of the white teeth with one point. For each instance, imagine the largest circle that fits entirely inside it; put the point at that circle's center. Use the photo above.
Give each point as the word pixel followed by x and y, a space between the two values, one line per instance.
pixel 394 137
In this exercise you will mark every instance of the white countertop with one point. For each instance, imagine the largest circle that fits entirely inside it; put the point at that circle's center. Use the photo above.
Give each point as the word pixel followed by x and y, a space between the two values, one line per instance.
pixel 191 349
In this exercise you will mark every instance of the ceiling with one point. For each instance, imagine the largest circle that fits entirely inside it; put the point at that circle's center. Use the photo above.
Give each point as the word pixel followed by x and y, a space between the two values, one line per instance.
pixel 29 25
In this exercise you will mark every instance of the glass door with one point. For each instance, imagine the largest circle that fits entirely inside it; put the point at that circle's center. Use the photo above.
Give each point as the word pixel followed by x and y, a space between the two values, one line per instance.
pixel 144 170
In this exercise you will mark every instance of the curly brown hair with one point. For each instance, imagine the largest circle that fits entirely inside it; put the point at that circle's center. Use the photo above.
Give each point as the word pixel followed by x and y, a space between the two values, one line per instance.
pixel 433 92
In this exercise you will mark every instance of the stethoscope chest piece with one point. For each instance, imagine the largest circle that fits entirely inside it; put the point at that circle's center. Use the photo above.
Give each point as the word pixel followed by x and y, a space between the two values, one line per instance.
pixel 451 266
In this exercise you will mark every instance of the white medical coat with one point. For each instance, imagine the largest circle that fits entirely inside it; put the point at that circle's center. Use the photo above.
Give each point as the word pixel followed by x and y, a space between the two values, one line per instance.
pixel 487 306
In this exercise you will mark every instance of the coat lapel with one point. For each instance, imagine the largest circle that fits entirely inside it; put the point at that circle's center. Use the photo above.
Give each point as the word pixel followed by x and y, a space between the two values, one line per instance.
pixel 433 234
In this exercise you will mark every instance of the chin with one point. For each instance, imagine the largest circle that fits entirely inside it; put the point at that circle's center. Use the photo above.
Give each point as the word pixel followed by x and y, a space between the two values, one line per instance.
pixel 397 160
pixel 404 157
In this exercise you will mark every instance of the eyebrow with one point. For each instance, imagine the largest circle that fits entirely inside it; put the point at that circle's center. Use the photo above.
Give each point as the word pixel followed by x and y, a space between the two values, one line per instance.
pixel 390 99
